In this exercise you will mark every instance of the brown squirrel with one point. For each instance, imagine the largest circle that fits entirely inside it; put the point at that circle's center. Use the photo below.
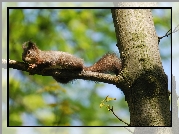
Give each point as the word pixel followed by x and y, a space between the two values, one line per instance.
pixel 109 63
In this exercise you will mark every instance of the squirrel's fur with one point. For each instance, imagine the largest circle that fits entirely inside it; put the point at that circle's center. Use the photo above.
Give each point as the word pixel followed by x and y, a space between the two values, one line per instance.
pixel 109 63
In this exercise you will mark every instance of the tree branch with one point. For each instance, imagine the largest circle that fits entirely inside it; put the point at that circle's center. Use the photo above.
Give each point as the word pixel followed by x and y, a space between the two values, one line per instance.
pixel 63 73
pixel 111 109
pixel 169 32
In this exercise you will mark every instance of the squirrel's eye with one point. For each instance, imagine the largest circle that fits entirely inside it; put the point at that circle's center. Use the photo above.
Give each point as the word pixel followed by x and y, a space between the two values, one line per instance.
pixel 28 52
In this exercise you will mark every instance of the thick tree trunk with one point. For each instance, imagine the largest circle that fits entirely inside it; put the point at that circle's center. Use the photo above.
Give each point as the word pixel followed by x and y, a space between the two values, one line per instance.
pixel 146 84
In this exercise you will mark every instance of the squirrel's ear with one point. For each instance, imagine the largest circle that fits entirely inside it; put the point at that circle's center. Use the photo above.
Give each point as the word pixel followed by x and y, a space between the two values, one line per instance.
pixel 24 45
pixel 31 45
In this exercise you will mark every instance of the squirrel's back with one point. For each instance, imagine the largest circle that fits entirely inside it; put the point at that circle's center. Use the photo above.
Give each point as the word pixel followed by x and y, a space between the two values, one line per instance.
pixel 55 59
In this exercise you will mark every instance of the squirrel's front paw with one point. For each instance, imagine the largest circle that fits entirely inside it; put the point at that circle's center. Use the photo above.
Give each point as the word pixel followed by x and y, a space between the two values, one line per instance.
pixel 31 66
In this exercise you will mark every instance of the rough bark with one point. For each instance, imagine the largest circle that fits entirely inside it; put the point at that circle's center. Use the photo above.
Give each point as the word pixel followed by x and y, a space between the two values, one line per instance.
pixel 146 86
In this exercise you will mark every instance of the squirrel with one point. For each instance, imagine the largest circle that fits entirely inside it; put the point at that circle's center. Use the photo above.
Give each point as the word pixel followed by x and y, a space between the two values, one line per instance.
pixel 32 55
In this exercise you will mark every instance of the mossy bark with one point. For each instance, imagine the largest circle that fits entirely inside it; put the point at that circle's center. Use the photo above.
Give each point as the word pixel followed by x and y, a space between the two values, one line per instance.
pixel 145 82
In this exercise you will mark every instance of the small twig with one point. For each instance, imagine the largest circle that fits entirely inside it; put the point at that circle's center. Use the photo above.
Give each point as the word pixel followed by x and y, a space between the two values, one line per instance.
pixel 169 32
pixel 128 130
pixel 111 109
pixel 175 30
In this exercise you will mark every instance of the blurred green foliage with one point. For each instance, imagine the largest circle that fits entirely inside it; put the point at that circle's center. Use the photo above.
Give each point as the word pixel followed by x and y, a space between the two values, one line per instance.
pixel 86 33
pixel 37 100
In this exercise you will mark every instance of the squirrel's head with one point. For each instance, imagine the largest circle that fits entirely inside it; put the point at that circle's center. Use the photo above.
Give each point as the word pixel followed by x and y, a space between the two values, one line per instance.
pixel 30 52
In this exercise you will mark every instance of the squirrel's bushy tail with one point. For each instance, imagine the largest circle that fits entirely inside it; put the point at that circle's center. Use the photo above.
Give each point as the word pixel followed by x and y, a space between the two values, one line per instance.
pixel 109 63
